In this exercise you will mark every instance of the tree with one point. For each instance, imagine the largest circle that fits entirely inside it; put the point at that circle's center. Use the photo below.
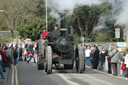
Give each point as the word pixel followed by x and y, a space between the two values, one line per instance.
pixel 14 9
pixel 32 29
pixel 3 25
pixel 107 34
pixel 85 18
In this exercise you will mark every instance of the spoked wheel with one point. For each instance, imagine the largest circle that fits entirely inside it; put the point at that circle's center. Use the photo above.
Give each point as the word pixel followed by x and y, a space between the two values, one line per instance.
pixel 80 61
pixel 48 65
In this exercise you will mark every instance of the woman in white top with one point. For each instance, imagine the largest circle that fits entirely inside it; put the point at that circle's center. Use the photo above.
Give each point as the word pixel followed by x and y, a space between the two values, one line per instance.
pixel 87 55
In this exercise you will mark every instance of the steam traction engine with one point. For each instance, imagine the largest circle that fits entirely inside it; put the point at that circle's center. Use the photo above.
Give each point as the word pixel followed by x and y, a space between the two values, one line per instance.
pixel 58 48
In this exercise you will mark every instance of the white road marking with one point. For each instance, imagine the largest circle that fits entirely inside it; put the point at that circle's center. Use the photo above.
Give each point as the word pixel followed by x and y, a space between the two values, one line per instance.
pixel 84 77
pixel 67 80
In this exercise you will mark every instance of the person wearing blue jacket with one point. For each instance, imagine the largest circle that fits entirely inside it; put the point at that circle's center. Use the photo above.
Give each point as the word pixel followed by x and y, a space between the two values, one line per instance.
pixel 102 59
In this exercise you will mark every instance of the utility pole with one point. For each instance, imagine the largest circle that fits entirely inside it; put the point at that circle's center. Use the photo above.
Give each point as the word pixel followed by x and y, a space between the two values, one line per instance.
pixel 127 35
pixel 46 4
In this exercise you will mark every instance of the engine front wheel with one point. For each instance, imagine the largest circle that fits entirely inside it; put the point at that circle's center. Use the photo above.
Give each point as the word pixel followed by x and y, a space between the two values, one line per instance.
pixel 80 61
pixel 48 60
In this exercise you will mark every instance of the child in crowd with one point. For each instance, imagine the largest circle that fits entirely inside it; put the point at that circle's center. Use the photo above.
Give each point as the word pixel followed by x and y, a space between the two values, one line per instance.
pixel 123 68
pixel 126 62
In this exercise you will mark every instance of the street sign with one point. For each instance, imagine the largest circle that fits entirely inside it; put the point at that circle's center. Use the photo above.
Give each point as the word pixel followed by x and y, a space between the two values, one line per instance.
pixel 117 32
pixel 121 45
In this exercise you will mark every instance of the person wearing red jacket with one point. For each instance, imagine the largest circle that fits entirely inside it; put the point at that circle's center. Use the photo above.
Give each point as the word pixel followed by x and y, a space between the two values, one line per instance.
pixel 4 56
pixel 123 68
pixel 1 67
pixel 4 59
pixel 45 32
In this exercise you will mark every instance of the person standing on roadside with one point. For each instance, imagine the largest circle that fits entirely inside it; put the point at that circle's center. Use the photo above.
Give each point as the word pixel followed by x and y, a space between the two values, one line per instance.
pixel 18 52
pixel 123 68
pixel 4 58
pixel 115 57
pixel 102 56
pixel 126 63
pixel 92 55
pixel 8 54
pixel 21 52
pixel 15 55
pixel 1 68
pixel 109 61
pixel 95 57
pixel 12 57
pixel 25 54
pixel 87 55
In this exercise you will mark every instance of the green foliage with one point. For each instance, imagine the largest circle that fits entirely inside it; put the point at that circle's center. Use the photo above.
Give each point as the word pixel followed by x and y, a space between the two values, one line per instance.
pixel 5 39
pixel 32 29
pixel 4 28
pixel 103 36
pixel 3 25
pixel 108 34
pixel 41 9
pixel 76 39
pixel 84 19
pixel 30 21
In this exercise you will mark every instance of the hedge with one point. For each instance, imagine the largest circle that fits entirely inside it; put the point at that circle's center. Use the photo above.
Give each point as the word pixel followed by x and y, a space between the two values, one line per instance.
pixel 5 39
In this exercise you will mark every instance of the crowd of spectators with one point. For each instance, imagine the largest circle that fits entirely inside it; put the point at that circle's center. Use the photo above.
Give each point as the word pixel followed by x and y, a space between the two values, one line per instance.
pixel 106 59
pixel 12 53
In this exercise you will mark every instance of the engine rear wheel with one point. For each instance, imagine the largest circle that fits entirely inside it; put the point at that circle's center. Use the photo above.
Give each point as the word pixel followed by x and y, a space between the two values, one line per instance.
pixel 40 55
pixel 80 61
pixel 49 60
pixel 41 47
pixel 40 66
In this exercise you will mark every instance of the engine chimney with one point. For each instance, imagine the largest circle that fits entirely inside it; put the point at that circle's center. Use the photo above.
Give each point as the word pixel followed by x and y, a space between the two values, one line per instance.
pixel 63 17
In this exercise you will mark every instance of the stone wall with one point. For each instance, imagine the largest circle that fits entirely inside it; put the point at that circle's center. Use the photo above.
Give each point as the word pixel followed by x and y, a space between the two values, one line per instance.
pixel 5 34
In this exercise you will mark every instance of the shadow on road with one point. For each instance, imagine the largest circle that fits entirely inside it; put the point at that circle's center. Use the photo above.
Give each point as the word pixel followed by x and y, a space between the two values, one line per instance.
pixel 73 71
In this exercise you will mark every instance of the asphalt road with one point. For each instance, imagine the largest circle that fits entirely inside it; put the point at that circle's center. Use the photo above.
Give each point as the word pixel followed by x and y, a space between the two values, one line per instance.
pixel 29 75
